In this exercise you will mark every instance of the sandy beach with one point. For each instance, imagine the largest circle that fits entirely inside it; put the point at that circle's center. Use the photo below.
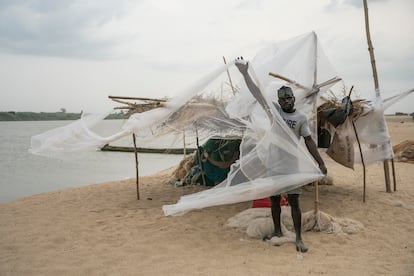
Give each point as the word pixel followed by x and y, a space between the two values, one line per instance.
pixel 102 229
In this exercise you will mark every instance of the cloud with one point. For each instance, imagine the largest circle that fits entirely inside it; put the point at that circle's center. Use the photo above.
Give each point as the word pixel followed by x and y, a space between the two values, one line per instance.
pixel 154 46
pixel 60 28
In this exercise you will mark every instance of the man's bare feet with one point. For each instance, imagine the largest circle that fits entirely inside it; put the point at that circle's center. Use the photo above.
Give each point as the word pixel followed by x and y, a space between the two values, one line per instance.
pixel 300 246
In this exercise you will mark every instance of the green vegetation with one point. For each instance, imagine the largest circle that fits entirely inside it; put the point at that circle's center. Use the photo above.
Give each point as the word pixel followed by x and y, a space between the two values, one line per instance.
pixel 49 116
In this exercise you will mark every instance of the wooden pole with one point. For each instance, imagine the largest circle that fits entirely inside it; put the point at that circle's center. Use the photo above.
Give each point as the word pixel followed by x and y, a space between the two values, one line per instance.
pixel 288 80
pixel 316 187
pixel 393 175
pixel 328 82
pixel 184 147
pixel 371 49
pixel 377 92
pixel 360 152
pixel 315 123
pixel 228 75
pixel 362 161
pixel 199 159
pixel 387 176
pixel 315 55
pixel 136 164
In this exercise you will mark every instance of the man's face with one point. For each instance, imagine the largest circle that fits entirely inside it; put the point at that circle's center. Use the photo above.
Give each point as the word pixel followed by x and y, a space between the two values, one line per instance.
pixel 286 100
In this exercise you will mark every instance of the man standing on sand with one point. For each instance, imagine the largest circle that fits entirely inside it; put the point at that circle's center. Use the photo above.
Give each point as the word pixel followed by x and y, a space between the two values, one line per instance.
pixel 298 123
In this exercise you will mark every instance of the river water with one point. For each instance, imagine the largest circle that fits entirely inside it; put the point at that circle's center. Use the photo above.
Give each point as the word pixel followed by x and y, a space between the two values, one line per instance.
pixel 24 174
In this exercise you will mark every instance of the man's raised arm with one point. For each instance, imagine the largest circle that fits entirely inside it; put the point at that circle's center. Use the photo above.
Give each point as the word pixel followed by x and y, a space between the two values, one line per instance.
pixel 243 67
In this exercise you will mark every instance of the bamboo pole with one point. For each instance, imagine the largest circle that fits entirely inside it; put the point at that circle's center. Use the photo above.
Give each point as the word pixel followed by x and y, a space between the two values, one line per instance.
pixel 314 108
pixel 371 50
pixel 315 62
pixel 328 82
pixel 288 80
pixel 136 164
pixel 377 92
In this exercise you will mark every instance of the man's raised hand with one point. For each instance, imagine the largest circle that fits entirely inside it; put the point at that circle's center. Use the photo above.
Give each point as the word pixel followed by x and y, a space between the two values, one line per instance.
pixel 242 65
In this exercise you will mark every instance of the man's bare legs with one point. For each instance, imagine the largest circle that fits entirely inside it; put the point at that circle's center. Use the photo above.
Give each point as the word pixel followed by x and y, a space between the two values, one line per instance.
pixel 293 200
pixel 276 210
pixel 296 213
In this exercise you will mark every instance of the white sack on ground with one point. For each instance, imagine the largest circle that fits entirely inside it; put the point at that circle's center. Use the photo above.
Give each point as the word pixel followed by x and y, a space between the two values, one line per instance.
pixel 258 224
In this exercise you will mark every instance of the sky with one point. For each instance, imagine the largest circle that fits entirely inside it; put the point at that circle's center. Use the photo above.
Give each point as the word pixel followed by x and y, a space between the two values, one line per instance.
pixel 73 54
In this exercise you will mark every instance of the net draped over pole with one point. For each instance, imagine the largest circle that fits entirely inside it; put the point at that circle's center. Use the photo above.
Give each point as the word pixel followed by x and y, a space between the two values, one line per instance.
pixel 377 92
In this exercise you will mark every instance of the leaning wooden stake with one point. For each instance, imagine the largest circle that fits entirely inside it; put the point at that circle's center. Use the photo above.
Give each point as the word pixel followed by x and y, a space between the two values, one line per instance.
pixel 136 163
pixel 375 75
pixel 184 147
pixel 228 75
pixel 362 160
pixel 360 152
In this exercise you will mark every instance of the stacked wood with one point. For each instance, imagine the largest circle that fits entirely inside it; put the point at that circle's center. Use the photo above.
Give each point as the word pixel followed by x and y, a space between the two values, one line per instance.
pixel 137 104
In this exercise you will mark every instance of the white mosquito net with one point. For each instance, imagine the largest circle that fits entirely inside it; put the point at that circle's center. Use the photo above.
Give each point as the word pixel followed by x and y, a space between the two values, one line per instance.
pixel 272 160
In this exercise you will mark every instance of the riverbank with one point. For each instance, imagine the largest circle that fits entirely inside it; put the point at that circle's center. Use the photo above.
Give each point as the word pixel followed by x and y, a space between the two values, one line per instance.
pixel 49 116
pixel 102 229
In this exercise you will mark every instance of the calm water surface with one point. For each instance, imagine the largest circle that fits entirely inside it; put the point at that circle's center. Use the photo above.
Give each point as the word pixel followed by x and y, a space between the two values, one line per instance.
pixel 24 174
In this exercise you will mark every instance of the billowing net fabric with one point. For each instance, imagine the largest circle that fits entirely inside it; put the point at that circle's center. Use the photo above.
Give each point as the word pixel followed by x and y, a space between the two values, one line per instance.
pixel 272 160
pixel 69 141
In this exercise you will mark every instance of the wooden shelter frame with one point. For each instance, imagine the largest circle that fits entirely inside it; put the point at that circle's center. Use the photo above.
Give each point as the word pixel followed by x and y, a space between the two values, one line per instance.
pixel 149 103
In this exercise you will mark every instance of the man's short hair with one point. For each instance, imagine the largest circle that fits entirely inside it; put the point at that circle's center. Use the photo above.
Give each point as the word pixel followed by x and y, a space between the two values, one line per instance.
pixel 285 91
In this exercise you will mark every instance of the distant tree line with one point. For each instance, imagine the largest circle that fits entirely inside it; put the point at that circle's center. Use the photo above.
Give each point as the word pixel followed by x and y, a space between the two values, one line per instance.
pixel 405 114
pixel 63 115
pixel 49 116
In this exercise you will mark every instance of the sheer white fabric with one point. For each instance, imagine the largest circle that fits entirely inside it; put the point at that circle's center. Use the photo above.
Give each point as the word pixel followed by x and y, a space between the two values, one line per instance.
pixel 272 160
